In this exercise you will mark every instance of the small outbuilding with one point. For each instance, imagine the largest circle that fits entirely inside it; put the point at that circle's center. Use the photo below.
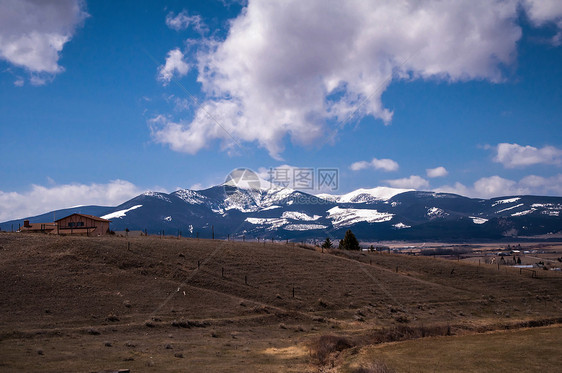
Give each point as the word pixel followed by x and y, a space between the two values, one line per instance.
pixel 38 227
pixel 82 224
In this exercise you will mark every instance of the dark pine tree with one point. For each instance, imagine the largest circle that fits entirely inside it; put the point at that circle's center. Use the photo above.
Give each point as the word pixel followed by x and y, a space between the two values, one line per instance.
pixel 327 244
pixel 349 242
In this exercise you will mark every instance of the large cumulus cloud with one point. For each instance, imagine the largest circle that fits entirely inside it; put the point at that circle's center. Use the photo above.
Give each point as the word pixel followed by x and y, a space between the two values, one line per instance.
pixel 301 69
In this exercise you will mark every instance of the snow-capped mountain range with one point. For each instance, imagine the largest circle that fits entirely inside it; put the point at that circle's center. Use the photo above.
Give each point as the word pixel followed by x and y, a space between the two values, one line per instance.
pixel 380 213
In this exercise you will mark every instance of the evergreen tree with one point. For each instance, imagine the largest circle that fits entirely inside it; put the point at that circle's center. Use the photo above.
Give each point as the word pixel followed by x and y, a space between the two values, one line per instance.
pixel 327 244
pixel 349 242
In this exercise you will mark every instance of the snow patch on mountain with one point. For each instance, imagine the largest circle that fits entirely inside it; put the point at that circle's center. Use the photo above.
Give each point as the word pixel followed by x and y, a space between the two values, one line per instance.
pixel 401 226
pixel 304 227
pixel 295 215
pixel 364 195
pixel 507 200
pixel 272 222
pixel 477 220
pixel 509 208
pixel 344 217
pixel 158 195
pixel 246 200
pixel 119 214
pixel 272 207
pixel 522 213
pixel 435 212
pixel 241 200
pixel 190 196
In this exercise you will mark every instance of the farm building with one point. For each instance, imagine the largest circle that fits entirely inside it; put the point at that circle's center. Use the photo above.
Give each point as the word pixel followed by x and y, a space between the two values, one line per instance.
pixel 38 227
pixel 82 224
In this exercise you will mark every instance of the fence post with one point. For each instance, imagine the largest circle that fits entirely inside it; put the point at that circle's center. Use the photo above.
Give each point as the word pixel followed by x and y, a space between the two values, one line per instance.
pixel 246 280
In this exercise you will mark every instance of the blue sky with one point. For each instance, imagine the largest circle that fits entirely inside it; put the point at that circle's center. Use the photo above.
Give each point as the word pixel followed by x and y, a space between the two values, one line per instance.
pixel 102 100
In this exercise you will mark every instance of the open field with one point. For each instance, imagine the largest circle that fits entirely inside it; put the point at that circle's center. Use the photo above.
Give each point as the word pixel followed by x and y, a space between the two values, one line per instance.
pixel 524 350
pixel 151 304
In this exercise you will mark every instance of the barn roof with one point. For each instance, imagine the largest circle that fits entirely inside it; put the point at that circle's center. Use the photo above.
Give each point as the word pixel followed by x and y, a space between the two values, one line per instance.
pixel 85 216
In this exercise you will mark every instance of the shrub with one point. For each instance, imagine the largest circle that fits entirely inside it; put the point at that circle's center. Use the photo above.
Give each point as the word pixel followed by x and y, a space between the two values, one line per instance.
pixel 374 367
pixel 322 347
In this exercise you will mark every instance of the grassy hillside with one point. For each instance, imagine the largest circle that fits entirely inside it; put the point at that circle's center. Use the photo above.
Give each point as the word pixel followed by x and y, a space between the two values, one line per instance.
pixel 91 304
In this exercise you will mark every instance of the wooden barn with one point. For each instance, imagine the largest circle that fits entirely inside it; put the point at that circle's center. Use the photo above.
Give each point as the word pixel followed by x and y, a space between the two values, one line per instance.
pixel 82 224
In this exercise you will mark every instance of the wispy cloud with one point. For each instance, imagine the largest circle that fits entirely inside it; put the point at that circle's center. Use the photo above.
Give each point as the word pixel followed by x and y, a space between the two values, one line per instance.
pixel 544 12
pixel 377 164
pixel 175 65
pixel 412 182
pixel 183 21
pixel 496 186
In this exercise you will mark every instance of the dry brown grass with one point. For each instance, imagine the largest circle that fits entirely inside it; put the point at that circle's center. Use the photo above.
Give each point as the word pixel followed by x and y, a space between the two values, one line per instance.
pixel 53 290
pixel 523 350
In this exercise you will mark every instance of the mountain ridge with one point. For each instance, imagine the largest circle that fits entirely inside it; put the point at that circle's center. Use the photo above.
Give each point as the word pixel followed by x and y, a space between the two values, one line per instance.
pixel 379 213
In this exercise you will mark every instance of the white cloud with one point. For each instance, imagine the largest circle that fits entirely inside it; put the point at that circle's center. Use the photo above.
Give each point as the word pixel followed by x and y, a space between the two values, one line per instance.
pixel 496 186
pixel 33 32
pixel 289 69
pixel 378 164
pixel 515 155
pixel 37 80
pixel 175 64
pixel 169 132
pixel 436 172
pixel 542 185
pixel 412 182
pixel 457 188
pixel 41 199
pixel 196 186
pixel 543 12
pixel 183 20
